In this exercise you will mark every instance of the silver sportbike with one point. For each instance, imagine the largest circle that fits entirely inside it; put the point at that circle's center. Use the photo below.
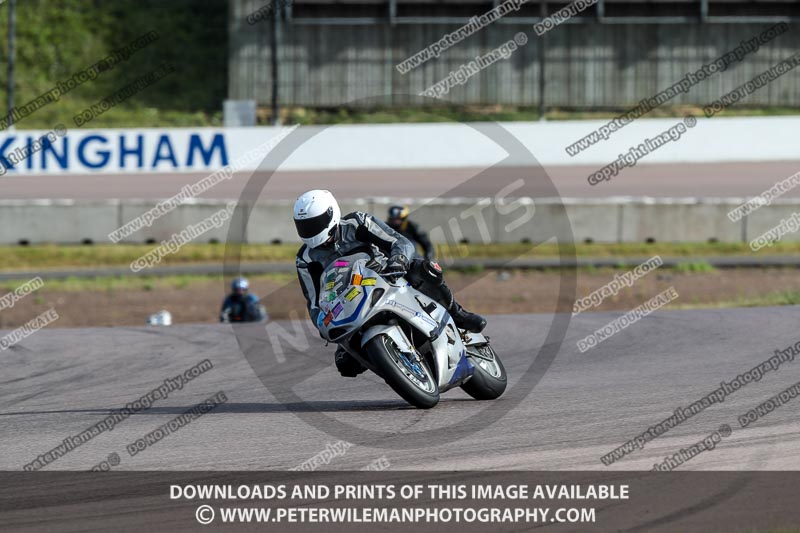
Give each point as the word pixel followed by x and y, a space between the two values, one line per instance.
pixel 403 336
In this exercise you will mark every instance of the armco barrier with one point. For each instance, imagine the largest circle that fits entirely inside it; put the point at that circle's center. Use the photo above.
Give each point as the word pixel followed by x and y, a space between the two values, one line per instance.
pixel 447 220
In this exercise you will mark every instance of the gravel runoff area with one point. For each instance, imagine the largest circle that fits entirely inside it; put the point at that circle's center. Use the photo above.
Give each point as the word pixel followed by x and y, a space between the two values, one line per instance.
pixel 489 292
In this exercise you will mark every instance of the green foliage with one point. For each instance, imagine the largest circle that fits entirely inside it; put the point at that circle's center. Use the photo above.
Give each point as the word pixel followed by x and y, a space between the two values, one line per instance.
pixel 773 298
pixel 500 113
pixel 698 266
pixel 57 38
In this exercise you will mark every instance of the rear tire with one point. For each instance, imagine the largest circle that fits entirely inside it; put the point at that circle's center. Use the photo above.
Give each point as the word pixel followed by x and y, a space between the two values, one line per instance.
pixel 412 380
pixel 489 380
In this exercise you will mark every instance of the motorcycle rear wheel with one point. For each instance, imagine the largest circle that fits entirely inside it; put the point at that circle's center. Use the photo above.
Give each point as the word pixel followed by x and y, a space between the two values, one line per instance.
pixel 411 379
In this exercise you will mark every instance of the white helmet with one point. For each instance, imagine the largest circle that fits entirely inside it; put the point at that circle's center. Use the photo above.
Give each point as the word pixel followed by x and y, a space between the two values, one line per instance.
pixel 316 215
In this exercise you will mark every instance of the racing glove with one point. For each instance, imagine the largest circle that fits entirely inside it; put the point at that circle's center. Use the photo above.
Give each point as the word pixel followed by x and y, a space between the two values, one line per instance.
pixel 397 266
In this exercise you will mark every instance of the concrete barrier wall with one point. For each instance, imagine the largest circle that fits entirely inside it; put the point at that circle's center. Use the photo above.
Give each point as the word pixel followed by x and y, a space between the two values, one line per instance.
pixel 174 222
pixel 58 221
pixel 448 221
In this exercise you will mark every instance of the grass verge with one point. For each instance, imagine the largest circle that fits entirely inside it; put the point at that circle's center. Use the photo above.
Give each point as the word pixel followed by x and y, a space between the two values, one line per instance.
pixel 140 283
pixel 117 255
pixel 772 299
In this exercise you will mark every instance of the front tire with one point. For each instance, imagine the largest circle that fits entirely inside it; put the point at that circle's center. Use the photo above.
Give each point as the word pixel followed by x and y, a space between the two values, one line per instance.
pixel 411 379
pixel 489 380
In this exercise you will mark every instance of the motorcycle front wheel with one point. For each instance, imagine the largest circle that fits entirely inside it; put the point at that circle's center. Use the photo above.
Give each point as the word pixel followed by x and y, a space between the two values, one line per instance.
pixel 489 380
pixel 409 378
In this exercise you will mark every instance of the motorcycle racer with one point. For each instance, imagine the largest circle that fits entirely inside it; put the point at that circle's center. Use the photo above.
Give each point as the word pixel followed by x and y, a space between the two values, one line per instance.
pixel 398 220
pixel 241 305
pixel 327 235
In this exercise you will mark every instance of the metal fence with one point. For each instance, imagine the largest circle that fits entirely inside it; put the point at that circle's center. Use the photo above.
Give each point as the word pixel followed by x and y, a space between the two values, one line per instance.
pixel 588 63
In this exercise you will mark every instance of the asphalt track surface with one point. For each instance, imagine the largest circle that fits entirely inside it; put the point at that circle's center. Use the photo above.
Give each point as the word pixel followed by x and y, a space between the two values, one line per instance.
pixel 59 382
pixel 655 180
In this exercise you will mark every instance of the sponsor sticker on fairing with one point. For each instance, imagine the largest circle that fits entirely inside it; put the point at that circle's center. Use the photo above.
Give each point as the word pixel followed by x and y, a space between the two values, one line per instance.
pixel 350 296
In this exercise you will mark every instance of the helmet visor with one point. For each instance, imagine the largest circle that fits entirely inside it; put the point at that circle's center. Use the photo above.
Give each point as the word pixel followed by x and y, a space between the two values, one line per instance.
pixel 309 227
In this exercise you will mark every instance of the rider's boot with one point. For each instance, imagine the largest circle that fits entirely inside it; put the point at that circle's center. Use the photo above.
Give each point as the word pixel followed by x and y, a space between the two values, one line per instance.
pixel 347 365
pixel 466 320
pixel 462 318
pixel 427 277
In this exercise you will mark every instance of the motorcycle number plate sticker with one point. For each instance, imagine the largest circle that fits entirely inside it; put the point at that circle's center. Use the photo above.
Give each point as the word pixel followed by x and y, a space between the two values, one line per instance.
pixel 356 279
pixel 350 296
pixel 329 285
pixel 331 296
pixel 337 310
pixel 340 264
pixel 367 281
pixel 331 277
pixel 328 318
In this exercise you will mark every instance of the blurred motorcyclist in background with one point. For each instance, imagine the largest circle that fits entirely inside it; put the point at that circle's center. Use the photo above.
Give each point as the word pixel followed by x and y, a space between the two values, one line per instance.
pixel 241 305
pixel 327 235
pixel 398 221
